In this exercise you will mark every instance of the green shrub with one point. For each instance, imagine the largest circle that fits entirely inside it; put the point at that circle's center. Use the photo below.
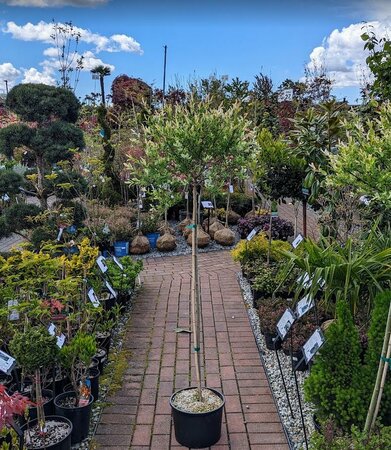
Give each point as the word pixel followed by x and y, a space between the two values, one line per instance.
pixel 257 249
pixel 336 383
pixel 124 280
pixel 375 343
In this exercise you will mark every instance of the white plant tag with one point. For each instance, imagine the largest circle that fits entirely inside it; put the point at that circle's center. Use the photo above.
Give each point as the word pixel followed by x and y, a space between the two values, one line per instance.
pixel 117 262
pixel 297 241
pixel 304 305
pixel 313 344
pixel 285 323
pixel 101 261
pixel 14 313
pixel 111 290
pixel 7 362
pixel 61 340
pixel 231 189
pixel 93 298
pixel 60 231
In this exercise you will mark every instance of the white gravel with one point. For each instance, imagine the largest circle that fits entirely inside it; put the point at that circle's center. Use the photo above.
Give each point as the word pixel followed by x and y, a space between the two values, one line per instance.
pixel 293 425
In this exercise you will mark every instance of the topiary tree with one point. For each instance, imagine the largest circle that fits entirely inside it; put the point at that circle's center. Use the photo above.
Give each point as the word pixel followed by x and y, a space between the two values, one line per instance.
pixel 336 382
pixel 48 134
pixel 189 141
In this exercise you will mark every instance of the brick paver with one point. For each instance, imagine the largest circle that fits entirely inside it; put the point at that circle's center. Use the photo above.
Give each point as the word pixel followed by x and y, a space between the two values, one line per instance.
pixel 139 416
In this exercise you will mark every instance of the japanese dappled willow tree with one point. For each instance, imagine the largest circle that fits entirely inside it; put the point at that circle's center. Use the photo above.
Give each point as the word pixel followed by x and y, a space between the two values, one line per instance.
pixel 188 141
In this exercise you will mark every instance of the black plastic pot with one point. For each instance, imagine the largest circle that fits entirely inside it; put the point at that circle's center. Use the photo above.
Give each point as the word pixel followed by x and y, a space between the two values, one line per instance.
pixel 298 356
pixel 101 356
pixel 270 343
pixel 103 340
pixel 79 416
pixel 197 430
pixel 6 380
pixel 64 444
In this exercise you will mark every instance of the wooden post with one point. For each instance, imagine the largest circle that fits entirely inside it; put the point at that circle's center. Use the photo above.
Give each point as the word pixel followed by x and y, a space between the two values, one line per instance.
pixel 305 217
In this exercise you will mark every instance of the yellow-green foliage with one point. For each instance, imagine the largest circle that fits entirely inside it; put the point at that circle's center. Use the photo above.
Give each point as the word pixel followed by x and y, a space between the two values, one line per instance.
pixel 257 248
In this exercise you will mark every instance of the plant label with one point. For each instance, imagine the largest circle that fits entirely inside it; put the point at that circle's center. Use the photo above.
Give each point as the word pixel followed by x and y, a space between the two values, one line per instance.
pixel 143 194
pixel 52 329
pixel 313 344
pixel 186 195
pixel 253 232
pixel 286 95
pixel 231 189
pixel 118 263
pixel 101 261
pixel 7 362
pixel 93 298
pixel 297 241
pixel 307 281
pixel 207 204
pixel 102 133
pixel 61 340
pixel 274 213
pixel 285 323
pixel 14 313
pixel 60 231
pixel 304 305
pixel 5 198
pixel 110 289
pixel 140 205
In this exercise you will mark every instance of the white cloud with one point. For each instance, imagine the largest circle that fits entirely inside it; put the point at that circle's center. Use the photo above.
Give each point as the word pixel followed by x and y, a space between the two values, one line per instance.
pixel 10 73
pixel 54 3
pixel 90 61
pixel 42 32
pixel 32 75
pixel 52 52
pixel 342 54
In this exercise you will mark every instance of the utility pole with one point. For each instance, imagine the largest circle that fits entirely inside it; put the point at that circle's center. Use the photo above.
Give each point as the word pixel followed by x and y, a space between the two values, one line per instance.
pixel 6 87
pixel 164 72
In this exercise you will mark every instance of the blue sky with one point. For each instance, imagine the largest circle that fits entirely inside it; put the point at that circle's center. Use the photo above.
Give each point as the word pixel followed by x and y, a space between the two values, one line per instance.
pixel 234 38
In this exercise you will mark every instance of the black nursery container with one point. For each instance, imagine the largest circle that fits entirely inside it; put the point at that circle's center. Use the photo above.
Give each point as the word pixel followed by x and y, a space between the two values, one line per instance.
pixel 64 444
pixel 271 344
pixel 79 416
pixel 47 406
pixel 197 430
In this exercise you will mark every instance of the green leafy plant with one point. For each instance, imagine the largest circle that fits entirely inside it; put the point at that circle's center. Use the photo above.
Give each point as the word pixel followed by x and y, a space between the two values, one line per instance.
pixel 336 382
pixel 257 249
pixel 124 280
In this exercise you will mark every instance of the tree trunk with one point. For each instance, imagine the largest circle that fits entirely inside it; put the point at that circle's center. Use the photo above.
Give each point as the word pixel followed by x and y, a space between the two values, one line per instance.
pixel 195 294
pixel 252 196
pixel 378 390
pixel 228 199
pixel 269 247
pixel 39 400
pixel 102 89
pixel 42 197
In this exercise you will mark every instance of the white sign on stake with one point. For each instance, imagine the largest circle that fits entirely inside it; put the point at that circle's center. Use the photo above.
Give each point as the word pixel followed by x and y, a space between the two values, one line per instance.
pixel 297 241
pixel 110 289
pixel 313 344
pixel 60 231
pixel 52 329
pixel 285 95
pixel 93 298
pixel 7 362
pixel 118 263
pixel 231 189
pixel 304 305
pixel 14 313
pixel 285 323
pixel 254 231
pixel 101 261
pixel 207 204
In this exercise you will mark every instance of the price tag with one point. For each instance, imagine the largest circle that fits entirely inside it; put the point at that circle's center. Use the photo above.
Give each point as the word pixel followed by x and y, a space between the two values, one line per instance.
pixel 297 241
pixel 60 231
pixel 231 189
pixel 304 305
pixel 207 204
pixel 313 344
pixel 7 362
pixel 101 261
pixel 52 329
pixel 285 323
pixel 14 313
pixel 117 262
pixel 93 298
pixel 110 289
pixel 251 235
pixel 186 195
pixel 285 95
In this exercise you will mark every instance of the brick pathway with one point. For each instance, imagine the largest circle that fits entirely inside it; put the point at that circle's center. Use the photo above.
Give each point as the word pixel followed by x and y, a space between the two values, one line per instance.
pixel 139 416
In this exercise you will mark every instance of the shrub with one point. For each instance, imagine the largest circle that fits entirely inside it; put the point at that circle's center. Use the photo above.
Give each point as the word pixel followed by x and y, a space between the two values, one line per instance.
pixel 335 385
pixel 265 280
pixel 281 229
pixel 270 312
pixel 375 343
pixel 124 280
pixel 257 249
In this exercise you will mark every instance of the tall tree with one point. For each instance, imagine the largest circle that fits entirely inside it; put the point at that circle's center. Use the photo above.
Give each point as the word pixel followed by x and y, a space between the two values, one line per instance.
pixel 102 72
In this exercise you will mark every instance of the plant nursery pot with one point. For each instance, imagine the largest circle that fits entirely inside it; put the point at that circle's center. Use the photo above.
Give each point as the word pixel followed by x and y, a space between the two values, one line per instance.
pixel 6 380
pixel 197 430
pixel 101 356
pixel 63 444
pixel 103 340
pixel 297 356
pixel 270 344
pixel 121 248
pixel 79 416
pixel 152 238
pixel 93 376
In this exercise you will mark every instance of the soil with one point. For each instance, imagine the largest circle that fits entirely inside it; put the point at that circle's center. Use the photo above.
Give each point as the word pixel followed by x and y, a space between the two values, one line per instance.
pixel 56 431
pixel 187 400
pixel 67 402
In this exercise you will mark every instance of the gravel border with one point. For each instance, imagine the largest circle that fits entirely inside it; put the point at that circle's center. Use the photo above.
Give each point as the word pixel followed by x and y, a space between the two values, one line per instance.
pixel 293 426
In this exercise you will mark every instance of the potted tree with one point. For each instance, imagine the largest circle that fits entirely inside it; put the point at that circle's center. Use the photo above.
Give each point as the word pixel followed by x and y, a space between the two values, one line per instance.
pixel 76 404
pixel 187 141
pixel 35 349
